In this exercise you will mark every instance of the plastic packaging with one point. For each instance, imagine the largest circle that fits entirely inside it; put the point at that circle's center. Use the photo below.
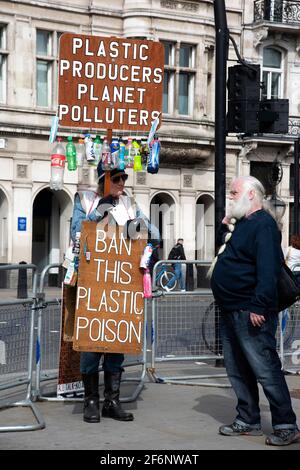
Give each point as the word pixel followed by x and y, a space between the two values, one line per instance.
pixel 106 156
pixel 115 151
pixel 80 152
pixel 98 144
pixel 58 160
pixel 89 148
pixel 72 271
pixel 71 154
pixel 146 256
pixel 147 284
pixel 137 159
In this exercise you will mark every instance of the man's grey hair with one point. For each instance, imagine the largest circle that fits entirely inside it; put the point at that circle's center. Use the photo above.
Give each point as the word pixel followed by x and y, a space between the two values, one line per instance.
pixel 250 182
pixel 253 183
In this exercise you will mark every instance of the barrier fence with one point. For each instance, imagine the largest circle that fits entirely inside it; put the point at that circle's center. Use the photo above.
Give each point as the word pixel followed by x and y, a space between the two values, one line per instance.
pixel 184 334
pixel 17 339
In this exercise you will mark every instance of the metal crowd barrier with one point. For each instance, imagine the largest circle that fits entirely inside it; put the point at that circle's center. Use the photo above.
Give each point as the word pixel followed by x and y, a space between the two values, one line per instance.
pixel 17 347
pixel 48 337
pixel 185 329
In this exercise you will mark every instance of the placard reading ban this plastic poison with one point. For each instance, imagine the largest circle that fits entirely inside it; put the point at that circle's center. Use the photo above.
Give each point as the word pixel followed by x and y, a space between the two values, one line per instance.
pixel 109 83
pixel 109 312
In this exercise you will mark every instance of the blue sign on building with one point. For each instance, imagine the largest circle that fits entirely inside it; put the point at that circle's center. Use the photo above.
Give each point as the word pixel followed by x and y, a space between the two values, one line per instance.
pixel 22 222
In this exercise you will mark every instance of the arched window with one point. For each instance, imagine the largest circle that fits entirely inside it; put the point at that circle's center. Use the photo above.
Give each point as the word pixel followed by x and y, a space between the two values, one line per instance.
pixel 272 74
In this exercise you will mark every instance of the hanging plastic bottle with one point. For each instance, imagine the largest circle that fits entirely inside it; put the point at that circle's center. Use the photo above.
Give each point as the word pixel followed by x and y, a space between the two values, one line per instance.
pixel 147 284
pixel 71 154
pixel 80 152
pixel 137 159
pixel 89 149
pixel 129 153
pixel 58 159
pixel 98 144
pixel 115 151
pixel 153 164
pixel 122 155
pixel 106 156
pixel 145 154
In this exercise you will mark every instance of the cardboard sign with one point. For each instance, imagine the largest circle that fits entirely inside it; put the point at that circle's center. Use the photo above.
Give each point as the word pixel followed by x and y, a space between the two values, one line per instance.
pixel 110 302
pixel 114 83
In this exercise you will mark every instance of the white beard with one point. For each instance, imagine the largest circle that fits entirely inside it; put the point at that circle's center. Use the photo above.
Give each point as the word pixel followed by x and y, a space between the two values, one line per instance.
pixel 239 208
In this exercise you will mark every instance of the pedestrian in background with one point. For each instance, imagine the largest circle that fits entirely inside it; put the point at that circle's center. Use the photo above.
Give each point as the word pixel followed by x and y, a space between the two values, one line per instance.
pixel 244 283
pixel 292 256
pixel 177 253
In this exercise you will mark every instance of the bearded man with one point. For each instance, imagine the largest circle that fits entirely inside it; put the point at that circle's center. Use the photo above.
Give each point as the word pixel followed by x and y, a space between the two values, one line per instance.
pixel 244 283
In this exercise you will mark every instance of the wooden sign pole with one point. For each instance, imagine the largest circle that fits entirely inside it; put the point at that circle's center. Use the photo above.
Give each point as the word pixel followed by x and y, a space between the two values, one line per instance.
pixel 107 173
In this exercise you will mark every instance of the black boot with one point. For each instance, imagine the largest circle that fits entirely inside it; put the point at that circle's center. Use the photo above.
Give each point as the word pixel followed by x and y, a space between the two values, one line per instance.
pixel 112 407
pixel 91 398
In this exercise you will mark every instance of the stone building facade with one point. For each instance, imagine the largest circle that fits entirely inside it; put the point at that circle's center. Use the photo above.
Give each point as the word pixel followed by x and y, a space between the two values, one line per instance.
pixel 35 221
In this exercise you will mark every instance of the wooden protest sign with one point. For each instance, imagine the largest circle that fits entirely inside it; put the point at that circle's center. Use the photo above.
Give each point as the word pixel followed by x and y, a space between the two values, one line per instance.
pixel 109 82
pixel 69 376
pixel 110 303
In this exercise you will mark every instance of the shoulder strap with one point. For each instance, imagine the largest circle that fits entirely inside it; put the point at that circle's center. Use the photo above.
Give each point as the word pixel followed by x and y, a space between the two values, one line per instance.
pixel 288 254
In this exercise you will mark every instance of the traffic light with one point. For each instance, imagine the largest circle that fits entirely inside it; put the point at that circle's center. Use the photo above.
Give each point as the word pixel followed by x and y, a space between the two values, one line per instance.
pixel 243 98
pixel 274 116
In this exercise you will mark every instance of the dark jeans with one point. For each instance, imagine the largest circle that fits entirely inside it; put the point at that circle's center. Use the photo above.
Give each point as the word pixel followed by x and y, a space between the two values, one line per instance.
pixel 89 362
pixel 250 357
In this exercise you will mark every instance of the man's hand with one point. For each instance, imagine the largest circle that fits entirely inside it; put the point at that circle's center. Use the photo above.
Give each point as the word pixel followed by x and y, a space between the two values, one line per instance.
pixel 257 320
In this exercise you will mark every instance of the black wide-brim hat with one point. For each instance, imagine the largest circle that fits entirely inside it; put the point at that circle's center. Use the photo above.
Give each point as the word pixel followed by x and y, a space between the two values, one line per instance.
pixel 114 172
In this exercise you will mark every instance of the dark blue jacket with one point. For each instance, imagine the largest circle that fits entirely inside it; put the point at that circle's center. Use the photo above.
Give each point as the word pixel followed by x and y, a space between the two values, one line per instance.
pixel 246 274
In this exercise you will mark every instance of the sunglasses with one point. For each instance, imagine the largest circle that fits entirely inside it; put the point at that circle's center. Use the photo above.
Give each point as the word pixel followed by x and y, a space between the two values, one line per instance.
pixel 117 179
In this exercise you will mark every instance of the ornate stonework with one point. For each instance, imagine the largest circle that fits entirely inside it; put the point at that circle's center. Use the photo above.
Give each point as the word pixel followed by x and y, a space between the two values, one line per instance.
pixel 260 36
pixel 187 181
pixel 141 178
pixel 22 171
pixel 179 5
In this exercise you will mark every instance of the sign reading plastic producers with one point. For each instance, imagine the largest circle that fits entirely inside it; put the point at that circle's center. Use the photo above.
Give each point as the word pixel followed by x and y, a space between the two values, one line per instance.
pixel 22 224
pixel 109 308
pixel 111 83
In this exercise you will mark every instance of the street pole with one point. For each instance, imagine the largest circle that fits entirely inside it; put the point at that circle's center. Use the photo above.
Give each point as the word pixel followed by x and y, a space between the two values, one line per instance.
pixel 296 186
pixel 222 46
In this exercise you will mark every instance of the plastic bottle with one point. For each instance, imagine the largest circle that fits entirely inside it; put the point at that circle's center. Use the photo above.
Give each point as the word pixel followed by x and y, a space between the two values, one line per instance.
pixel 129 150
pixel 137 159
pixel 115 151
pixel 147 284
pixel 98 144
pixel 146 256
pixel 80 152
pixel 153 162
pixel 144 154
pixel 122 156
pixel 106 156
pixel 71 154
pixel 89 148
pixel 58 160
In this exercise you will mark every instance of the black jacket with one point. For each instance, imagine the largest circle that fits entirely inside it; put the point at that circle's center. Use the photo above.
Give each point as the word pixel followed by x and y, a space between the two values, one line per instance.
pixel 177 252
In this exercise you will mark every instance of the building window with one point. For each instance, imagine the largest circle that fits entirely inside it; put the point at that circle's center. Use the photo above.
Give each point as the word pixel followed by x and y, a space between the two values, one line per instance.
pixel 272 74
pixel 44 68
pixel 179 79
pixel 3 62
